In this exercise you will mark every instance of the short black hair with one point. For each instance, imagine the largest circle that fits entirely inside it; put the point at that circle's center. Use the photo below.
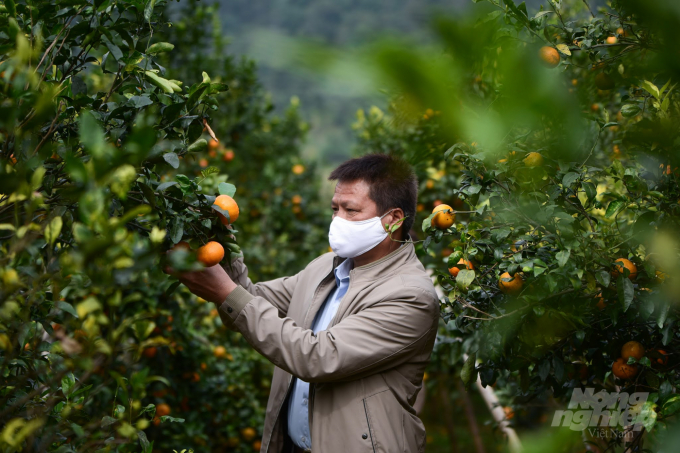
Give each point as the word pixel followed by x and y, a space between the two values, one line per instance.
pixel 392 181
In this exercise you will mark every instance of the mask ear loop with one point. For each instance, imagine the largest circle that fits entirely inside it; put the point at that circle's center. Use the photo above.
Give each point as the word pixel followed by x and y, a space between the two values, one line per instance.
pixel 387 225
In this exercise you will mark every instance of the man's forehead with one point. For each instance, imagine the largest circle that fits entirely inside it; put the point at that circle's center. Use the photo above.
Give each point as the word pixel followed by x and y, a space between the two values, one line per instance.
pixel 355 189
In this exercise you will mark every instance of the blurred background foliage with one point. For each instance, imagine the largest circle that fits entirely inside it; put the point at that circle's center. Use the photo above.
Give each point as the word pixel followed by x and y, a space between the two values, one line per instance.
pixel 121 121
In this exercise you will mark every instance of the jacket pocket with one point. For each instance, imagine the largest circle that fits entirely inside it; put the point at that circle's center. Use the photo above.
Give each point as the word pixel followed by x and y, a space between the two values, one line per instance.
pixel 413 431
pixel 391 427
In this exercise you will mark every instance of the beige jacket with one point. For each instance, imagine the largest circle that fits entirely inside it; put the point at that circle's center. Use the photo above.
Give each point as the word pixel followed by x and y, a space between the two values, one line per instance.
pixel 364 371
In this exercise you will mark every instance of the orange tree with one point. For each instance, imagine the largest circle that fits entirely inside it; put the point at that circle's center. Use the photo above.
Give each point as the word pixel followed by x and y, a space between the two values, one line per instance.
pixel 99 144
pixel 556 133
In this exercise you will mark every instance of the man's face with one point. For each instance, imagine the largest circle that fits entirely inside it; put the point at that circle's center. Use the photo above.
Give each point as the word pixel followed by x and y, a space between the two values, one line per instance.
pixel 351 201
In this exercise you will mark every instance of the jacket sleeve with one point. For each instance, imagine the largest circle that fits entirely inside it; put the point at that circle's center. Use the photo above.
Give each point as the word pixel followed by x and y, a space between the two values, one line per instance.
pixel 277 292
pixel 372 340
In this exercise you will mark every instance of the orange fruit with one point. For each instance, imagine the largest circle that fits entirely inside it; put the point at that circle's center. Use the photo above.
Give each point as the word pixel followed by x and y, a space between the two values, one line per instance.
pixel 612 40
pixel 210 254
pixel 604 82
pixel 574 82
pixel 228 204
pixel 213 144
pixel 181 245
pixel 533 159
pixel 298 169
pixel 257 445
pixel 549 56
pixel 220 351
pixel 195 377
pixel 436 203
pixel 601 304
pixel 204 366
pixel 212 153
pixel 511 287
pixel 454 270
pixel 150 353
pixel 444 217
pixel 297 199
pixel 620 263
pixel 429 184
pixel 622 370
pixel 248 433
pixel 228 155
pixel 509 413
pixel 162 409
pixel 420 207
pixel 203 162
pixel 595 107
pixel 664 359
pixel 632 349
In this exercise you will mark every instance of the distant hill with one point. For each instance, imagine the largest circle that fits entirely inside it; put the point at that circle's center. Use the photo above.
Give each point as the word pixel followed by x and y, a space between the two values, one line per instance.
pixel 257 28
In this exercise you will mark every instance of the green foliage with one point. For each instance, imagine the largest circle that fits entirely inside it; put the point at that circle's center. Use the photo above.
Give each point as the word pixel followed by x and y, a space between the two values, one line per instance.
pixel 555 174
pixel 104 141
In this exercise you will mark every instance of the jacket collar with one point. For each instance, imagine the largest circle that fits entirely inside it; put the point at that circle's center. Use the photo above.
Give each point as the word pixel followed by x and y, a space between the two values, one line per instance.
pixel 387 263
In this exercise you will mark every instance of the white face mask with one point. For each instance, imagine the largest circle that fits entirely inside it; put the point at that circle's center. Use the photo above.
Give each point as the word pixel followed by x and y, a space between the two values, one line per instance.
pixel 350 239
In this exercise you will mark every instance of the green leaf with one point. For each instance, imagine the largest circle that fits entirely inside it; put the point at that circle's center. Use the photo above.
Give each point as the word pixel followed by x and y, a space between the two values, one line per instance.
pixel 106 421
pixel 569 179
pixel 206 77
pixel 614 208
pixel 140 101
pixel 114 49
pixel 562 257
pixel 226 189
pixel 53 229
pixel 590 190
pixel 91 135
pixel 465 277
pixel 161 187
pixel 626 291
pixel 160 47
pixel 630 110
pixel 160 82
pixel 651 89
pixel 172 159
pixel 68 308
pixel 563 48
pixel 68 382
pixel 198 145
pixel 171 419
pixel 603 277
pixel 467 372
pixel 148 10
pixel 11 8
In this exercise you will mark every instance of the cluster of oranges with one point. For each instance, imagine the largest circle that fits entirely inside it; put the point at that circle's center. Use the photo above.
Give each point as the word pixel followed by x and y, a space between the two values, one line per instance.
pixel 622 370
pixel 212 253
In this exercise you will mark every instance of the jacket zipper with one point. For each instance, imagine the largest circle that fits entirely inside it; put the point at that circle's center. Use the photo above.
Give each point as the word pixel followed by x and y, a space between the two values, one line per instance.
pixel 290 379
pixel 369 425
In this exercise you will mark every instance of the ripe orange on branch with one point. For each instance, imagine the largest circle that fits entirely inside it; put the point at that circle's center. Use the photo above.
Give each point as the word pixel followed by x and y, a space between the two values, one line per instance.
pixel 663 360
pixel 468 265
pixel 533 159
pixel 632 349
pixel 549 56
pixel 444 217
pixel 622 370
pixel 228 204
pixel 622 263
pixel 511 287
pixel 210 254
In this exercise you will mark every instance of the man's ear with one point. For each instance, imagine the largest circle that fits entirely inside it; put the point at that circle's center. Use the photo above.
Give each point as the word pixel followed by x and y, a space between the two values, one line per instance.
pixel 397 216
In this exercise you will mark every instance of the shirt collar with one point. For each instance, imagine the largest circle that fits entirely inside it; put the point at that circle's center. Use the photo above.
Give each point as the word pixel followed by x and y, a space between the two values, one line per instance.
pixel 342 271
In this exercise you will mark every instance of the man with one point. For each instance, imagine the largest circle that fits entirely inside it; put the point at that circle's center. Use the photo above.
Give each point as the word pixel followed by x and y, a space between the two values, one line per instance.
pixel 351 334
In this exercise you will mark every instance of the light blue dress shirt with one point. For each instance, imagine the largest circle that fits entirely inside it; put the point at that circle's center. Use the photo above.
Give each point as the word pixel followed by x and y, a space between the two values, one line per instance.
pixel 298 412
